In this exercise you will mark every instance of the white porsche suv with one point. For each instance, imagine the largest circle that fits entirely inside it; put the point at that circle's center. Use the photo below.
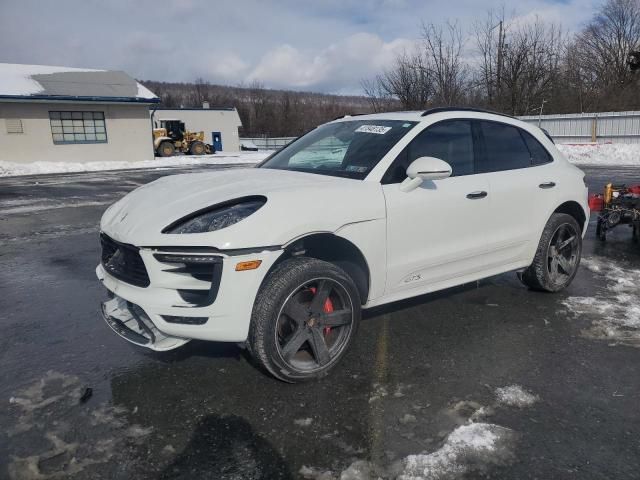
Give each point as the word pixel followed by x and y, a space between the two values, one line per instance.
pixel 362 211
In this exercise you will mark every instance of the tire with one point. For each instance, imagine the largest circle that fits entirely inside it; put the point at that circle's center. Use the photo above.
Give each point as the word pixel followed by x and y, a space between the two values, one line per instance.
pixel 290 322
pixel 197 148
pixel 558 255
pixel 166 149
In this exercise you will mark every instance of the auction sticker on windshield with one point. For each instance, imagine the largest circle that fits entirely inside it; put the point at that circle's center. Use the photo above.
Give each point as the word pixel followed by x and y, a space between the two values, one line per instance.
pixel 373 129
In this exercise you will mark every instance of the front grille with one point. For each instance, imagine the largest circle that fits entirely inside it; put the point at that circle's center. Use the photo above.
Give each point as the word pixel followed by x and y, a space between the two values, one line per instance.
pixel 123 262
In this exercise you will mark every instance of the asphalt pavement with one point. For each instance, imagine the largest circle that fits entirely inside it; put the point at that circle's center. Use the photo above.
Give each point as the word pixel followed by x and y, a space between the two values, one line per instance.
pixel 79 402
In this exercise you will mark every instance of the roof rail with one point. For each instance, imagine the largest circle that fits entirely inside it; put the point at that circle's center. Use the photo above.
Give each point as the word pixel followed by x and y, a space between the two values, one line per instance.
pixel 431 111
pixel 349 115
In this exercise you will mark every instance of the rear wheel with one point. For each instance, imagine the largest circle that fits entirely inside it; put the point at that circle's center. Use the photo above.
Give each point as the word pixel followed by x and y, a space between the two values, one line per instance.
pixel 558 256
pixel 166 149
pixel 197 148
pixel 304 319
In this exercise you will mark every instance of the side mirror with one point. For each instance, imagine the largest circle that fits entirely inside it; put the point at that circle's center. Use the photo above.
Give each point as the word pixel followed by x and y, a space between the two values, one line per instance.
pixel 425 168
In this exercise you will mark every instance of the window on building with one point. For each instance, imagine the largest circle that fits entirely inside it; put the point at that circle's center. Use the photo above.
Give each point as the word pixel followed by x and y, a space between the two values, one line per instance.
pixel 14 125
pixel 78 127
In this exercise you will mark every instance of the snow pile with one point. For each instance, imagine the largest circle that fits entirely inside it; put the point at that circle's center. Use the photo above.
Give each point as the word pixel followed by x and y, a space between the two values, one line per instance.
pixel 9 169
pixel 468 448
pixel 602 154
pixel 615 311
pixel 515 396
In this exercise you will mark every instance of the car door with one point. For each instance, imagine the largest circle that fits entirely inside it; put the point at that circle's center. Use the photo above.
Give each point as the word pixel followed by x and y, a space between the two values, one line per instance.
pixel 435 233
pixel 521 191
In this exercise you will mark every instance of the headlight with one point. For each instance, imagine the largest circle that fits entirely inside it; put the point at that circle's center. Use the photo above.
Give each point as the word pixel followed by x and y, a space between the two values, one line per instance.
pixel 217 217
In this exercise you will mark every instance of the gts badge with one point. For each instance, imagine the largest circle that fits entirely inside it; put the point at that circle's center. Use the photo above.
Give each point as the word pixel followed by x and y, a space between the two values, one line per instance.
pixel 413 278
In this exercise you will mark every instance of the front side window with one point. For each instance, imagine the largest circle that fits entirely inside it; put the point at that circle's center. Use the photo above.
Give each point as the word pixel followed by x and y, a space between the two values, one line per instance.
pixel 344 149
pixel 450 140
pixel 78 127
pixel 504 148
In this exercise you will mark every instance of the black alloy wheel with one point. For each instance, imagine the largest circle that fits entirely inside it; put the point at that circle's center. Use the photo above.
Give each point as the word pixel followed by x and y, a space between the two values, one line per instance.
pixel 563 254
pixel 305 316
pixel 314 325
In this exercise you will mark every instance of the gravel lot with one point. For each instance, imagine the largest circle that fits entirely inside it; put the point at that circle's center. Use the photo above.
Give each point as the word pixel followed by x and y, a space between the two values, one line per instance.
pixel 485 380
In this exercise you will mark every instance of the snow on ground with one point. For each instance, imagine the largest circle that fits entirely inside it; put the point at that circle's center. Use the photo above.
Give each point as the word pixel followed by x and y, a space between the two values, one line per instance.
pixel 471 449
pixel 468 448
pixel 602 154
pixel 9 169
pixel 303 422
pixel 515 396
pixel 42 411
pixel 615 311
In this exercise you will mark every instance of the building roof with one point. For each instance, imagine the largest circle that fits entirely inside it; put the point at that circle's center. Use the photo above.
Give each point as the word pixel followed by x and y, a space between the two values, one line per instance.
pixel 40 82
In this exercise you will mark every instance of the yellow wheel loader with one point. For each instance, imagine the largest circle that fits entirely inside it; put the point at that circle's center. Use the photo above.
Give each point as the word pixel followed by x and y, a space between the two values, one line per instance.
pixel 172 137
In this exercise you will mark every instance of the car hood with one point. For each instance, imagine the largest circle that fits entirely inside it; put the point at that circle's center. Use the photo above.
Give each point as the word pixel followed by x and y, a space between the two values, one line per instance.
pixel 297 204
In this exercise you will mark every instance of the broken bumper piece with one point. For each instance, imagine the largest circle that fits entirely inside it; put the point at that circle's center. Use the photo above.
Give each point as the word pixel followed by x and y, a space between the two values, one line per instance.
pixel 132 323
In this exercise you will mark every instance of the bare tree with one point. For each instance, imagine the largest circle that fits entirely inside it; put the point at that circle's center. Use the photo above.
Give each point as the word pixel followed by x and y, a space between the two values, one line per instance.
pixel 490 40
pixel 443 51
pixel 409 80
pixel 602 49
pixel 379 99
pixel 531 66
pixel 605 43
pixel 520 64
pixel 200 91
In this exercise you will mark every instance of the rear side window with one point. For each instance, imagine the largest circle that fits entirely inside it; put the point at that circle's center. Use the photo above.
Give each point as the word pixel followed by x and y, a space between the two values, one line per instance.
pixel 539 154
pixel 504 148
pixel 451 141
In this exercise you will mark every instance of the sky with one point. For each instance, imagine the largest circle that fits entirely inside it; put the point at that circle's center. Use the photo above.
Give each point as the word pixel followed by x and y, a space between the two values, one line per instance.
pixel 314 45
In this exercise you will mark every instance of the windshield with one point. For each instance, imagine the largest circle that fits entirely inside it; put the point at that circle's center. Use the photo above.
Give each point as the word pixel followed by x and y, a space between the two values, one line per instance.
pixel 344 149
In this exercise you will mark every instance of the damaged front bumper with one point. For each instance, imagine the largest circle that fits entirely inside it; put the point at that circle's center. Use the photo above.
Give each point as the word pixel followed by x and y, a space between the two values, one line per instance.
pixel 134 325
pixel 179 303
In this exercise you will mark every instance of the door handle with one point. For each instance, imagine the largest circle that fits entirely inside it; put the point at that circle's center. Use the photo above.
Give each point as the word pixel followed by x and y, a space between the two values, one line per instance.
pixel 476 195
pixel 547 185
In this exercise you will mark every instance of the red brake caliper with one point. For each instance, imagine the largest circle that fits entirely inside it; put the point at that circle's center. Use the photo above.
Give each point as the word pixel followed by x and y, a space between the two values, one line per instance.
pixel 328 308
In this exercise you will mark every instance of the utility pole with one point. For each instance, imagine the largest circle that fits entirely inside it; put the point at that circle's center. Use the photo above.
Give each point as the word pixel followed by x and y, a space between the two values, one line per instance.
pixel 540 112
pixel 499 68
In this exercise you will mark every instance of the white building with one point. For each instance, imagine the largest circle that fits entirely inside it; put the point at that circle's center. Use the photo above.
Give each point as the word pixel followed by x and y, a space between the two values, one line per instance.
pixel 220 125
pixel 57 114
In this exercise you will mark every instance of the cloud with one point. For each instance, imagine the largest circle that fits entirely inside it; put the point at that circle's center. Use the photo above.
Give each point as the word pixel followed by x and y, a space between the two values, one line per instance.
pixel 339 65
pixel 326 46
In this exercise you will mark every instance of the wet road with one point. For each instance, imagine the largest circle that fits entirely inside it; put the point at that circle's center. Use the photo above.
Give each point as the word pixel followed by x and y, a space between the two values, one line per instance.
pixel 418 370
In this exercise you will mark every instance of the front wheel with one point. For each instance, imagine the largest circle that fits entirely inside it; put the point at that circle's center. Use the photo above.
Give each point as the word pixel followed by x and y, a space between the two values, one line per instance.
pixel 197 148
pixel 304 318
pixel 558 256
pixel 166 149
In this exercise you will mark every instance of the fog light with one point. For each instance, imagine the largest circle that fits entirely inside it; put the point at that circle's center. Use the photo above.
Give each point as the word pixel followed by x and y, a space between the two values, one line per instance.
pixel 250 265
